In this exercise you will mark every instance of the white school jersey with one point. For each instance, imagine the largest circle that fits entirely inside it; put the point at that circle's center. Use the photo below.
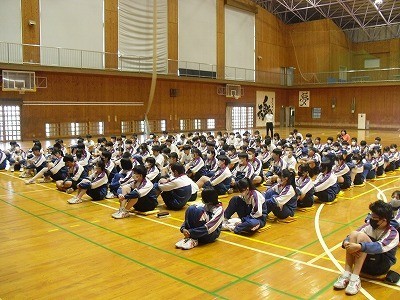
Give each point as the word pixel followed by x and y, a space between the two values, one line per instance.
pixel 290 162
pixel 324 181
pixel 97 180
pixel 159 160
pixel 152 173
pixel 58 164
pixel 304 184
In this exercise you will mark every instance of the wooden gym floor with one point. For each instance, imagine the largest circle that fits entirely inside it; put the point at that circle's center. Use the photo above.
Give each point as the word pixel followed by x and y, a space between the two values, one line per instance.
pixel 53 250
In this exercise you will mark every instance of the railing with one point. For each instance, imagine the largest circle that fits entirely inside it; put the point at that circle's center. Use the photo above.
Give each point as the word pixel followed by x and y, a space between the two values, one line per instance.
pixel 13 53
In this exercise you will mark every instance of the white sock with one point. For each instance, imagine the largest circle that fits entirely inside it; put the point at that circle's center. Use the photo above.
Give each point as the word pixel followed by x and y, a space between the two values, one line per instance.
pixel 354 277
pixel 346 274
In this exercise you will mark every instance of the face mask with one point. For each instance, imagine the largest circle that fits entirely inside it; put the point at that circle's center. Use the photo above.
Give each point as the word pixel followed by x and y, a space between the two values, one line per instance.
pixel 336 163
pixel 279 181
pixel 251 157
pixel 374 223
pixel 392 150
pixel 335 148
pixel 209 156
pixel 353 143
pixel 329 142
pixel 354 161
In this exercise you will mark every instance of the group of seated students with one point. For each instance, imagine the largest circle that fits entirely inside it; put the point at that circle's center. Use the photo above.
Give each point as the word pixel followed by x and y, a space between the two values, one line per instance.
pixel 295 171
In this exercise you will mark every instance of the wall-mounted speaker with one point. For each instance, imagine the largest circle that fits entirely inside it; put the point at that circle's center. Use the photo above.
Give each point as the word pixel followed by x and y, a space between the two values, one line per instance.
pixel 173 93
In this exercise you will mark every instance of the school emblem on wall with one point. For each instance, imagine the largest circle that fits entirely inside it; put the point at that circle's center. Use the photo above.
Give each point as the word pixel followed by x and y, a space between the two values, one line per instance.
pixel 304 99
pixel 265 102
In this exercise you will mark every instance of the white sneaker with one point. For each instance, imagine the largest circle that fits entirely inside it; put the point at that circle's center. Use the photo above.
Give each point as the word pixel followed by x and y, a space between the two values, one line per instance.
pixel 74 200
pixel 110 195
pixel 69 191
pixel 189 243
pixel 342 282
pixel 120 214
pixel 180 243
pixel 228 226
pixel 353 287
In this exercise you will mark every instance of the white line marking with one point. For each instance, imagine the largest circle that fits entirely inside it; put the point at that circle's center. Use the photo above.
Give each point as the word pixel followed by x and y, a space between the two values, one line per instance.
pixel 330 255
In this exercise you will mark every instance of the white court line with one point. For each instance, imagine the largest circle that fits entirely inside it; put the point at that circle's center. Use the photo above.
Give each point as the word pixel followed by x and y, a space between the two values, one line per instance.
pixel 330 255
pixel 259 251
pixel 324 254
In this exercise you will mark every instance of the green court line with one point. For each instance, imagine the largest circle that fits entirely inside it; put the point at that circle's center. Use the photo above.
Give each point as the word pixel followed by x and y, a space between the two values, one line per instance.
pixel 323 290
pixel 116 252
pixel 130 238
pixel 281 259
pixel 238 278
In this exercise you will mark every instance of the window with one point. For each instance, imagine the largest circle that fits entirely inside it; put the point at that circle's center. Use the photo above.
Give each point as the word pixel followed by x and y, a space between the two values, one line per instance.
pixel 184 124
pixel 10 124
pixel 52 130
pixel 242 117
pixel 210 123
pixel 96 128
pixel 163 125
pixel 316 113
pixel 196 124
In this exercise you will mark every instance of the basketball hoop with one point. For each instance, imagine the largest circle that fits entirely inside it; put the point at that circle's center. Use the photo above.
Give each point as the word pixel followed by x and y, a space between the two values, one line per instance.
pixel 236 97
pixel 21 91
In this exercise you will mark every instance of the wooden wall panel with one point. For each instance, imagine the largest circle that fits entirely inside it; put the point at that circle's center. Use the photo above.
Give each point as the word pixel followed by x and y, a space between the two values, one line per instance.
pixel 220 39
pixel 173 36
pixel 30 33
pixel 379 103
pixel 111 33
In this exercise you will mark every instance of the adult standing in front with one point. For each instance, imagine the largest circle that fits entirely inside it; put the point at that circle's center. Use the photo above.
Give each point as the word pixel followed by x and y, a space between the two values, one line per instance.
pixel 269 117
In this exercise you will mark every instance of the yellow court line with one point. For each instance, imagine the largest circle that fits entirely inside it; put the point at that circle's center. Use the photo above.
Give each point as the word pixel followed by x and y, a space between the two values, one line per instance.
pixel 264 243
pixel 34 191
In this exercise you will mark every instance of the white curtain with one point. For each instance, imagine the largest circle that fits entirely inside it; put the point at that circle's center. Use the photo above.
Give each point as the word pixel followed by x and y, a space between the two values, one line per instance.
pixel 135 35
pixel 239 44
pixel 197 25
pixel 10 32
pixel 72 33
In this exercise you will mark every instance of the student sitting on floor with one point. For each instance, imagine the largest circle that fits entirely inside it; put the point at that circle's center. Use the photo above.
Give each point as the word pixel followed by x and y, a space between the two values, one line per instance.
pixel 75 174
pixel 281 198
pixel 370 249
pixel 123 177
pixel 356 173
pixel 370 165
pixel 176 191
pixel 304 187
pixel 243 170
pixel 34 164
pixel 95 186
pixel 17 159
pixel 277 165
pixel 250 207
pixel 342 172
pixel 257 166
pixel 153 173
pixel 202 221
pixel 3 160
pixel 140 194
pixel 395 204
pixel 222 178
pixel 195 169
pixel 53 171
pixel 326 186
